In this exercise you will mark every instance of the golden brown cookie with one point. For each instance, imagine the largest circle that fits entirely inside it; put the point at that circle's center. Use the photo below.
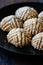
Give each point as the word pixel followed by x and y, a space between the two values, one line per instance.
pixel 10 22
pixel 26 12
pixel 40 17
pixel 33 26
pixel 18 37
pixel 37 41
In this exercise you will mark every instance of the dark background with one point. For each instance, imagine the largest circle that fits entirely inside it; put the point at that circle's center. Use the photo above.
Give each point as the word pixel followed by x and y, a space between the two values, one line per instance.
pixel 8 2
pixel 7 58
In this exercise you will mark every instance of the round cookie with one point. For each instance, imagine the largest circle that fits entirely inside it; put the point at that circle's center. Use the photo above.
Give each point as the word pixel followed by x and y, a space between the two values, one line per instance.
pixel 10 22
pixel 18 37
pixel 37 41
pixel 40 17
pixel 26 12
pixel 33 26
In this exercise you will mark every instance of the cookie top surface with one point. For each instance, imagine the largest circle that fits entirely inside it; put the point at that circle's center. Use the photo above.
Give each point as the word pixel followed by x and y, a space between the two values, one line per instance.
pixel 26 12
pixel 40 14
pixel 30 21
pixel 10 22
pixel 7 18
pixel 33 26
pixel 37 41
pixel 17 37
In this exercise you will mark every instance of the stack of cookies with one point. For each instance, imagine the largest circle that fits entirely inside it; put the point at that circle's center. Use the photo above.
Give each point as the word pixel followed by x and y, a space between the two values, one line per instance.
pixel 25 27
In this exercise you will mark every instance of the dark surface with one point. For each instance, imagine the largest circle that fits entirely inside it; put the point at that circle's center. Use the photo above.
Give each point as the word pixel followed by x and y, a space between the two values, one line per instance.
pixel 3 41
pixel 7 58
pixel 8 2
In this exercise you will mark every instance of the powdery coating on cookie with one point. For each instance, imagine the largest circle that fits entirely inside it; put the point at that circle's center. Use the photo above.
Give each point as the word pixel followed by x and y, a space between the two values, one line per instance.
pixel 33 26
pixel 40 16
pixel 10 22
pixel 37 41
pixel 18 37
pixel 26 12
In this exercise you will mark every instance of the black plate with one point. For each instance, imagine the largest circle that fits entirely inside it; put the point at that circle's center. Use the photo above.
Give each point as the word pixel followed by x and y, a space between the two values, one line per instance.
pixel 9 10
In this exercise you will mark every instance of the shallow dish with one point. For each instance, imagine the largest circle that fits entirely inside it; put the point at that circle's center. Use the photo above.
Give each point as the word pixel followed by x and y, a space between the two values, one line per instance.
pixel 9 10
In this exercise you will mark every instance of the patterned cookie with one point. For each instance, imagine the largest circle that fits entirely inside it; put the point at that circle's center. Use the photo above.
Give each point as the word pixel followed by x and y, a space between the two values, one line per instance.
pixel 26 12
pixel 18 37
pixel 40 17
pixel 33 26
pixel 10 22
pixel 37 41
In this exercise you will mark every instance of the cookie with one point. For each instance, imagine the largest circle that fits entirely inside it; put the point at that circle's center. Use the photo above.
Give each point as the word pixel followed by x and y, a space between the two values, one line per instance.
pixel 40 17
pixel 26 12
pixel 10 22
pixel 33 26
pixel 37 41
pixel 18 37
